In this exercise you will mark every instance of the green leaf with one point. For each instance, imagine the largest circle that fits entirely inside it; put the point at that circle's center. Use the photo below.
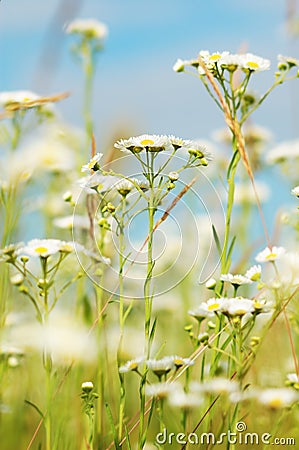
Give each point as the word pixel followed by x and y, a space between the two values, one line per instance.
pixel 231 247
pixel 217 241
pixel 34 406
pixel 231 165
pixel 112 426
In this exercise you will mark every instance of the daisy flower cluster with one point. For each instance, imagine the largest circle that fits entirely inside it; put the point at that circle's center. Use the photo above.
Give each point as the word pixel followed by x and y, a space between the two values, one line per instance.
pixel 153 143
pixel 224 60
pixel 44 248
pixel 230 307
pixel 159 367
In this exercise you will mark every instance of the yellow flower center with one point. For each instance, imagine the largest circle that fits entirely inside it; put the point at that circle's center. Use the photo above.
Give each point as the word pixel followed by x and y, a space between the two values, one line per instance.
pixel 41 250
pixel 253 65
pixel 275 403
pixel 271 256
pixel 146 142
pixel 178 362
pixel 213 306
pixel 215 57
pixel 133 366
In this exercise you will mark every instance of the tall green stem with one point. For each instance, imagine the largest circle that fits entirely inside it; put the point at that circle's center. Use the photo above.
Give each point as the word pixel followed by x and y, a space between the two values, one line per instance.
pixel 121 313
pixel 87 109
pixel 230 202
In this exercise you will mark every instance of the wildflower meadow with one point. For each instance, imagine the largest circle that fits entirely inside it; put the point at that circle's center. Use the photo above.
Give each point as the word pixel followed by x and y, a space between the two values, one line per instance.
pixel 149 284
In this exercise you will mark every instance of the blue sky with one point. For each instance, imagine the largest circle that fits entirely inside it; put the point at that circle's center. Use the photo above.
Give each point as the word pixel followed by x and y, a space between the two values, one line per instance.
pixel 135 86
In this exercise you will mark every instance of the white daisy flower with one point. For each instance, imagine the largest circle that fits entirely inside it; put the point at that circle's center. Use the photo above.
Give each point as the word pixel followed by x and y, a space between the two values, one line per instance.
pixel 277 398
pixel 148 142
pixel 208 308
pixel 245 193
pixel 180 64
pixel 292 380
pixel 254 273
pixel 215 386
pixel 198 151
pixel 160 366
pixel 201 312
pixel 238 306
pixel 213 58
pixel 68 222
pixel 235 279
pixel 262 306
pixel 131 365
pixel 40 248
pixel 287 61
pixel 93 164
pixel 270 254
pixel 230 61
pixel 295 191
pixel 180 362
pixel 161 390
pixel 124 187
pixel 178 142
pixel 90 28
pixel 288 150
pixel 185 400
pixel 254 63
pixel 11 97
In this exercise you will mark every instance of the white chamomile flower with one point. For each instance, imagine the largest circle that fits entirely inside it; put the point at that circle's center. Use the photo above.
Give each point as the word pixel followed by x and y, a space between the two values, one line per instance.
pixel 207 309
pixel 254 273
pixel 40 248
pixel 254 63
pixel 238 306
pixel 124 187
pixel 161 390
pixel 72 221
pixel 292 380
pixel 93 164
pixel 148 142
pixel 277 398
pixel 235 279
pixel 215 386
pixel 286 61
pixel 295 191
pixel 201 312
pixel 131 365
pixel 22 97
pixel 180 64
pixel 160 366
pixel 230 61
pixel 177 142
pixel 288 150
pixel 198 151
pixel 270 254
pixel 185 400
pixel 180 362
pixel 90 28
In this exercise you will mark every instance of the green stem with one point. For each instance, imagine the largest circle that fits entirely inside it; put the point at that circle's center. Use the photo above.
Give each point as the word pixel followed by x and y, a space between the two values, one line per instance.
pixel 121 314
pixel 89 72
pixel 230 202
